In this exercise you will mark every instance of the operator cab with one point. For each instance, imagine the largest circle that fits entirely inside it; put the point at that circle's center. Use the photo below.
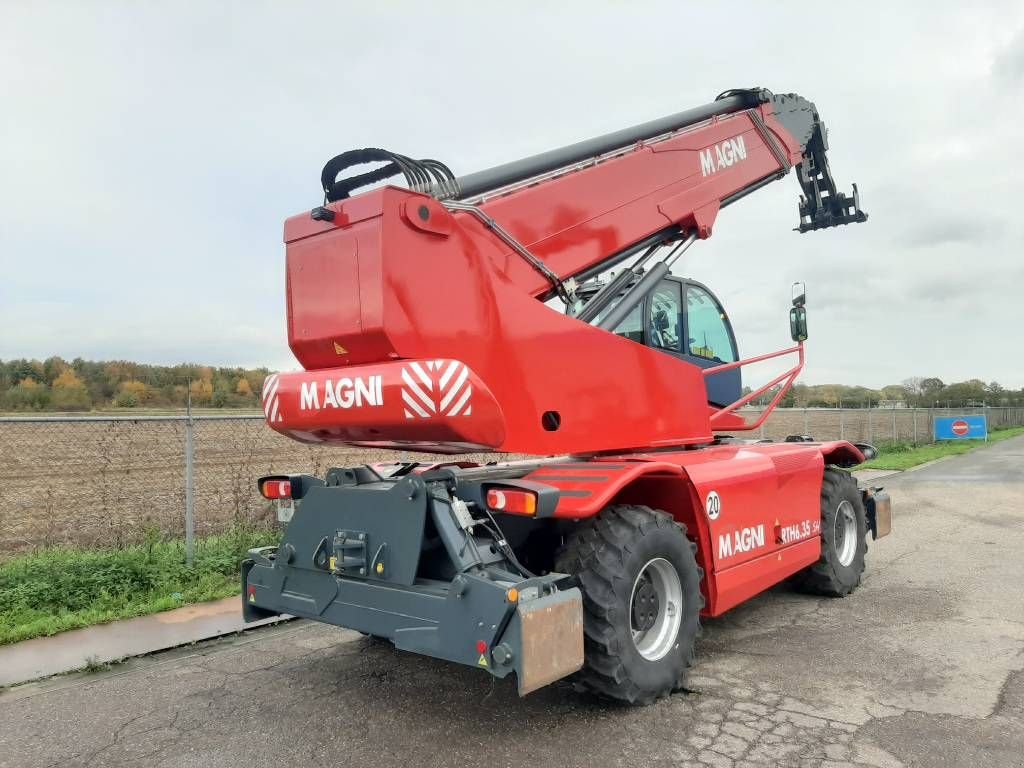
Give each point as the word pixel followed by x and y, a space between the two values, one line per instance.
pixel 682 318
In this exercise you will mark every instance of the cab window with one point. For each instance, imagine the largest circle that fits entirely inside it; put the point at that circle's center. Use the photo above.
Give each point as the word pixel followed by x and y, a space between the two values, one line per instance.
pixel 665 321
pixel 631 327
pixel 706 327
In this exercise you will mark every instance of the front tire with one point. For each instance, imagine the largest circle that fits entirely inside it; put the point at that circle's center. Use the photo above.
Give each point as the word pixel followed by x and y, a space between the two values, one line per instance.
pixel 843 539
pixel 640 581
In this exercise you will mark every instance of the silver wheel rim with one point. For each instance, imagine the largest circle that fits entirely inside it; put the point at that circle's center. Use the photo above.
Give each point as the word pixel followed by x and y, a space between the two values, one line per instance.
pixel 657 640
pixel 845 533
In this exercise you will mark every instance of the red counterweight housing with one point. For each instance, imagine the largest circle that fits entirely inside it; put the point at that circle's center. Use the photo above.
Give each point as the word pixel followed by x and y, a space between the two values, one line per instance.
pixel 415 336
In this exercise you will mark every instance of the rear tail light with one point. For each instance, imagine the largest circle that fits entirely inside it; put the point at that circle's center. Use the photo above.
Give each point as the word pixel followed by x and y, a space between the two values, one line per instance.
pixel 275 489
pixel 514 502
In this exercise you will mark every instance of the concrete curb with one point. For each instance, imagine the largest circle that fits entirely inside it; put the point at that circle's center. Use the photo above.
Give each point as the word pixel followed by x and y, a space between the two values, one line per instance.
pixel 877 474
pixel 868 475
pixel 105 643
pixel 934 461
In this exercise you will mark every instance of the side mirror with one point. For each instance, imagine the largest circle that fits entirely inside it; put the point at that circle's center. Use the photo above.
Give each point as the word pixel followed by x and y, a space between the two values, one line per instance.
pixel 799 294
pixel 798 323
pixel 869 451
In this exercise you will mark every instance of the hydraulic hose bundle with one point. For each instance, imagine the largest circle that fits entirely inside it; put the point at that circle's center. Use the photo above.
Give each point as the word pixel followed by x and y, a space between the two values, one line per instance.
pixel 421 175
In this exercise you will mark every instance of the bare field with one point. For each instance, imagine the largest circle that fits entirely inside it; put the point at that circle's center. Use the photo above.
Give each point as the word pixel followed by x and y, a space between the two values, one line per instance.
pixel 107 482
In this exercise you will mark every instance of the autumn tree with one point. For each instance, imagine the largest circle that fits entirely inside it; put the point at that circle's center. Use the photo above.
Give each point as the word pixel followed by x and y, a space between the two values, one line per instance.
pixel 70 392
pixel 53 367
pixel 894 392
pixel 28 394
pixel 137 389
pixel 202 391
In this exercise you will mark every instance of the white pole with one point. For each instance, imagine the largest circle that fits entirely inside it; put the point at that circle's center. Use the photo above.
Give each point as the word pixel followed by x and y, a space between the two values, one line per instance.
pixel 190 543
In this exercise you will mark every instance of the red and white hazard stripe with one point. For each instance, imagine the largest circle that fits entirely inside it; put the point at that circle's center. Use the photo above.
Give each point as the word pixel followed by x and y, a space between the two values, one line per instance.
pixel 271 399
pixel 441 389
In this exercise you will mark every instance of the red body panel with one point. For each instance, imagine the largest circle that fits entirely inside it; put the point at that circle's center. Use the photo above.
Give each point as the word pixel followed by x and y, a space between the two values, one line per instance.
pixel 768 505
pixel 378 285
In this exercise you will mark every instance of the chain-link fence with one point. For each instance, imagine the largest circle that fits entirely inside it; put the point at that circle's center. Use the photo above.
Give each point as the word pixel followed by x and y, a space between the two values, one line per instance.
pixel 111 480
pixel 872 425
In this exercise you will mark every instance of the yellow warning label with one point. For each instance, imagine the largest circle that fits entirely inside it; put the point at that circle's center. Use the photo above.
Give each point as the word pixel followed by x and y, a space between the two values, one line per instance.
pixel 252 598
pixel 334 563
pixel 339 350
pixel 380 567
pixel 482 662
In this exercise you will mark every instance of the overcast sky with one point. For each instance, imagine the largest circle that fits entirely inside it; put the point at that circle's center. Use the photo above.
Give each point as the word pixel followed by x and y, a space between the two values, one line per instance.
pixel 149 153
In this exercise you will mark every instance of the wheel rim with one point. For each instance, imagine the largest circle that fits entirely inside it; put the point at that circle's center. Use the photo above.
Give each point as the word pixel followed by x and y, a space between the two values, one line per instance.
pixel 656 608
pixel 845 533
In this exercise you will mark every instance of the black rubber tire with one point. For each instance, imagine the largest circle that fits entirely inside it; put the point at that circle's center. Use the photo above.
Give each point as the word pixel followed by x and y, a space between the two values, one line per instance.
pixel 828 576
pixel 606 555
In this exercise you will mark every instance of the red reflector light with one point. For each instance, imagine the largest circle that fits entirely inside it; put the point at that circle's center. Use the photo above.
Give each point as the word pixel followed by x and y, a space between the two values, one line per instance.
pixel 276 489
pixel 481 646
pixel 512 501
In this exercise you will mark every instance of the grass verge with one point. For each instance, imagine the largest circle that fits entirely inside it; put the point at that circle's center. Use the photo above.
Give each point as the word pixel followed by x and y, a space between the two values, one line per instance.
pixel 903 455
pixel 57 589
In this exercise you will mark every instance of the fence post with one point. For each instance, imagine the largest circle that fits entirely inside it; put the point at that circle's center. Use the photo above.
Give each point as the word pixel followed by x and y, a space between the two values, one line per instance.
pixel 914 439
pixel 842 427
pixel 807 427
pixel 895 436
pixel 870 435
pixel 190 543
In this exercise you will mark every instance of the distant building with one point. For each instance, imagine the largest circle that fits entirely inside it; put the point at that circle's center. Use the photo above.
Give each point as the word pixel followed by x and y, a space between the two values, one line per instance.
pixel 892 403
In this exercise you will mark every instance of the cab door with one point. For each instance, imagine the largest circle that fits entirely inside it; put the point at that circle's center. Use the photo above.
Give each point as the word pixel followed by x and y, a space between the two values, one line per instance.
pixel 685 319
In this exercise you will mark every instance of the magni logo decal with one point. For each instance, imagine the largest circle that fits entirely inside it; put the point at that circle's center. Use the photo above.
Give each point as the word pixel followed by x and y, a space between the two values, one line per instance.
pixel 344 393
pixel 724 155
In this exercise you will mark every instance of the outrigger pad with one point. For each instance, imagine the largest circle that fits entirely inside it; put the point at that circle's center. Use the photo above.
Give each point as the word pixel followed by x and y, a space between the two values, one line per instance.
pixel 552 639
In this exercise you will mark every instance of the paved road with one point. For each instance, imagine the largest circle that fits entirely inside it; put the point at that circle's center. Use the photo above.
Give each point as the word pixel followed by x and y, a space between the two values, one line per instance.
pixel 924 666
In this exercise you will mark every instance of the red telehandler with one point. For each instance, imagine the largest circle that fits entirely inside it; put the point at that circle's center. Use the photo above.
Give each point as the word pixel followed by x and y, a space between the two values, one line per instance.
pixel 425 318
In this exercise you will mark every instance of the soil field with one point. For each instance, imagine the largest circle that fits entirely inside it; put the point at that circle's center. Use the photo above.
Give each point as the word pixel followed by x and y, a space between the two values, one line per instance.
pixel 104 481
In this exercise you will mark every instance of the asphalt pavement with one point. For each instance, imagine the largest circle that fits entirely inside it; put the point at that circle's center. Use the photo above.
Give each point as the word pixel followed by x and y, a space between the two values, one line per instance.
pixel 923 666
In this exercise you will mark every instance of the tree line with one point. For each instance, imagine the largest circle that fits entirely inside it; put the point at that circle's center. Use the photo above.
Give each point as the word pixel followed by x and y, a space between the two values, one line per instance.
pixel 914 392
pixel 83 385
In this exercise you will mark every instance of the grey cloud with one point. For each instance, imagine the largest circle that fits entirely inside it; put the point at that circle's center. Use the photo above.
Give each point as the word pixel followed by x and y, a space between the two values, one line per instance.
pixel 1009 63
pixel 950 229
pixel 946 290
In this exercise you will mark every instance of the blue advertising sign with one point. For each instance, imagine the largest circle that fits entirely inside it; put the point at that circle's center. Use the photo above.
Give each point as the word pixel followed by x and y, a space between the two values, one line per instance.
pixel 961 428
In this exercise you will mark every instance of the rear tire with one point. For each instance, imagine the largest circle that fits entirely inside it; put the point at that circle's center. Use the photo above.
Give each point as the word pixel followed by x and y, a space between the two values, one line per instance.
pixel 640 581
pixel 843 539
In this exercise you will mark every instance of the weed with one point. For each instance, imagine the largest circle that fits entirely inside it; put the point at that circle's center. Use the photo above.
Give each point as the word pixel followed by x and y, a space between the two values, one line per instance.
pixel 60 588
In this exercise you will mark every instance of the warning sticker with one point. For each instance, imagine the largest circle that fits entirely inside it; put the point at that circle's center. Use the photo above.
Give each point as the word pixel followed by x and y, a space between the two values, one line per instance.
pixel 482 662
pixel 713 505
